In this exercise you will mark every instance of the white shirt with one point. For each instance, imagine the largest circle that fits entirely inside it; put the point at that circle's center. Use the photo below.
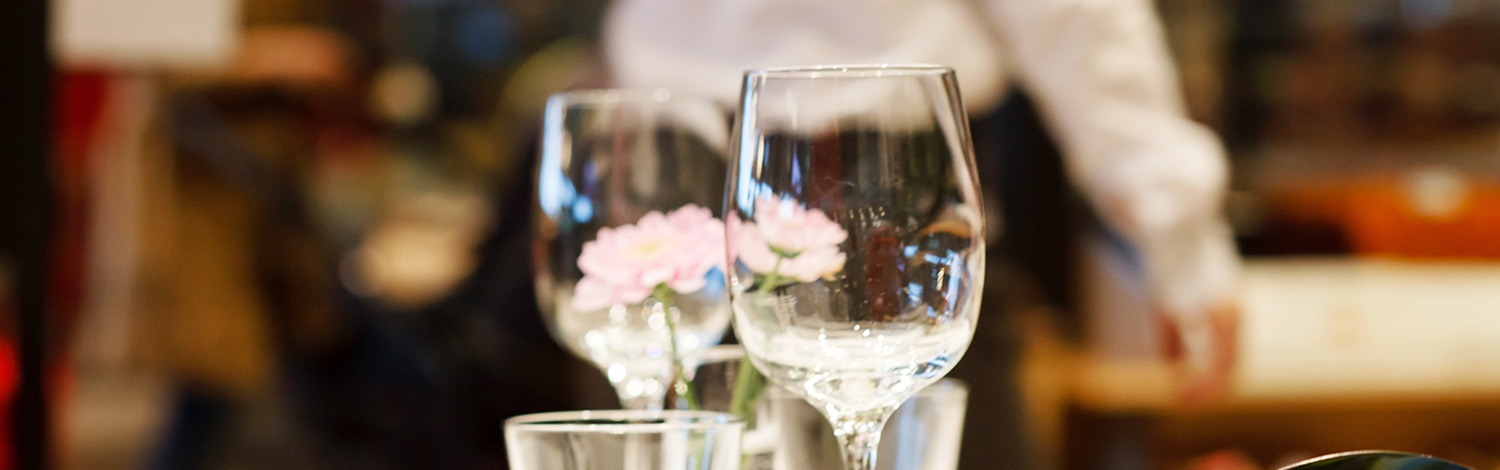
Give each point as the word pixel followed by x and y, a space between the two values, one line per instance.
pixel 1099 70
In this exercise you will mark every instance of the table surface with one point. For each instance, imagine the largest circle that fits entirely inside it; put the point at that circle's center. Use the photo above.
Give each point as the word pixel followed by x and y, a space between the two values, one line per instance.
pixel 1320 330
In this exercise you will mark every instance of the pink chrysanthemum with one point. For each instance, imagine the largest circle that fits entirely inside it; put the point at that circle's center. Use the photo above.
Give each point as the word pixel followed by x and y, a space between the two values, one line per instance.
pixel 805 242
pixel 624 264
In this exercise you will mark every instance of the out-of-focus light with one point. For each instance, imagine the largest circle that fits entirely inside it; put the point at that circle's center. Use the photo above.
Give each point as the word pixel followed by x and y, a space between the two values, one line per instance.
pixel 1437 192
pixel 404 93
pixel 554 189
pixel 583 210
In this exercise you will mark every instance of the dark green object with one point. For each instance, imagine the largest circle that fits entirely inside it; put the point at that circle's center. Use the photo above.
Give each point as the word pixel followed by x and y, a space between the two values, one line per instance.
pixel 1375 460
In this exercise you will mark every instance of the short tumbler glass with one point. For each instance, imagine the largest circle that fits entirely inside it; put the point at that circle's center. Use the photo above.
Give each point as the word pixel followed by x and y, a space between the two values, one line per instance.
pixel 624 440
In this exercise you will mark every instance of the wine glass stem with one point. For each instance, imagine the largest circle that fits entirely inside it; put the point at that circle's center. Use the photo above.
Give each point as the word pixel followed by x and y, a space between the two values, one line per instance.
pixel 859 435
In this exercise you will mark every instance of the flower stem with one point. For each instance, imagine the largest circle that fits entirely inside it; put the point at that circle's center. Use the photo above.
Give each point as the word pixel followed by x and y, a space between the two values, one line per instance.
pixel 748 385
pixel 683 386
pixel 772 279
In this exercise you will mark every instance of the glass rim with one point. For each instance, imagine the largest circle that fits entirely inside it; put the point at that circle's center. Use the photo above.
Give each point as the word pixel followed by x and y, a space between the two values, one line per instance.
pixel 1395 454
pixel 884 70
pixel 621 421
pixel 615 96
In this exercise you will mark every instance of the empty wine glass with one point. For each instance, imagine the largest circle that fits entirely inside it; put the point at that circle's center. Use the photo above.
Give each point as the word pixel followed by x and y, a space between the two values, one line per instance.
pixel 855 233
pixel 629 251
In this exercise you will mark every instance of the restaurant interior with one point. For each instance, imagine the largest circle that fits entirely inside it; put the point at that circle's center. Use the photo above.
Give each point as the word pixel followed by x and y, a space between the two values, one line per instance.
pixel 297 234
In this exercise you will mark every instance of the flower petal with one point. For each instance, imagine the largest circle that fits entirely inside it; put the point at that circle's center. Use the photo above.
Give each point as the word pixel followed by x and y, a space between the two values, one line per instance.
pixel 688 285
pixel 590 294
pixel 753 251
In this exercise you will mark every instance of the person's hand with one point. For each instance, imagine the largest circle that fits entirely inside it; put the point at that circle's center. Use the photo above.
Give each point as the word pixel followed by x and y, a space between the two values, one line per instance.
pixel 1203 350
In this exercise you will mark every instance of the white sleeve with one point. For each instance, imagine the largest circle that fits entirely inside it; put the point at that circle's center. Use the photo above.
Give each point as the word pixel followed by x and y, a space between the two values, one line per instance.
pixel 1106 86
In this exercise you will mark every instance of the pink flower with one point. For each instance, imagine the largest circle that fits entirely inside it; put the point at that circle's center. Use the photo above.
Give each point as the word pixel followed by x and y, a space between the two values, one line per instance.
pixel 804 242
pixel 623 265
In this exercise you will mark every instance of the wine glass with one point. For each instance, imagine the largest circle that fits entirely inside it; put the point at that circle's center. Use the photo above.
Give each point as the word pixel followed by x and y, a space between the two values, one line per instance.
pixel 856 238
pixel 629 253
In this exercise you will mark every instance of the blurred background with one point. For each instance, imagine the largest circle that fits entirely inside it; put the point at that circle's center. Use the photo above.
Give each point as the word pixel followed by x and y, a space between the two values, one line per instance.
pixel 295 234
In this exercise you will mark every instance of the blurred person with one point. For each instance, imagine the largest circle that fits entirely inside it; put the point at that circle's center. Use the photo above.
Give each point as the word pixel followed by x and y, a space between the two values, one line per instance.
pixel 1104 85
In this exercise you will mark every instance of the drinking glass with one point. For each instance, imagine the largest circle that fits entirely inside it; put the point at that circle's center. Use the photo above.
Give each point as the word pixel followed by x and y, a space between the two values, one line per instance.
pixel 624 440
pixel 855 232
pixel 629 251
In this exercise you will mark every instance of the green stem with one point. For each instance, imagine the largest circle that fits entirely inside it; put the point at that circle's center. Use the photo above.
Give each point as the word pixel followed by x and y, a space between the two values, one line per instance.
pixel 748 382
pixel 664 295
pixel 747 388
pixel 772 278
